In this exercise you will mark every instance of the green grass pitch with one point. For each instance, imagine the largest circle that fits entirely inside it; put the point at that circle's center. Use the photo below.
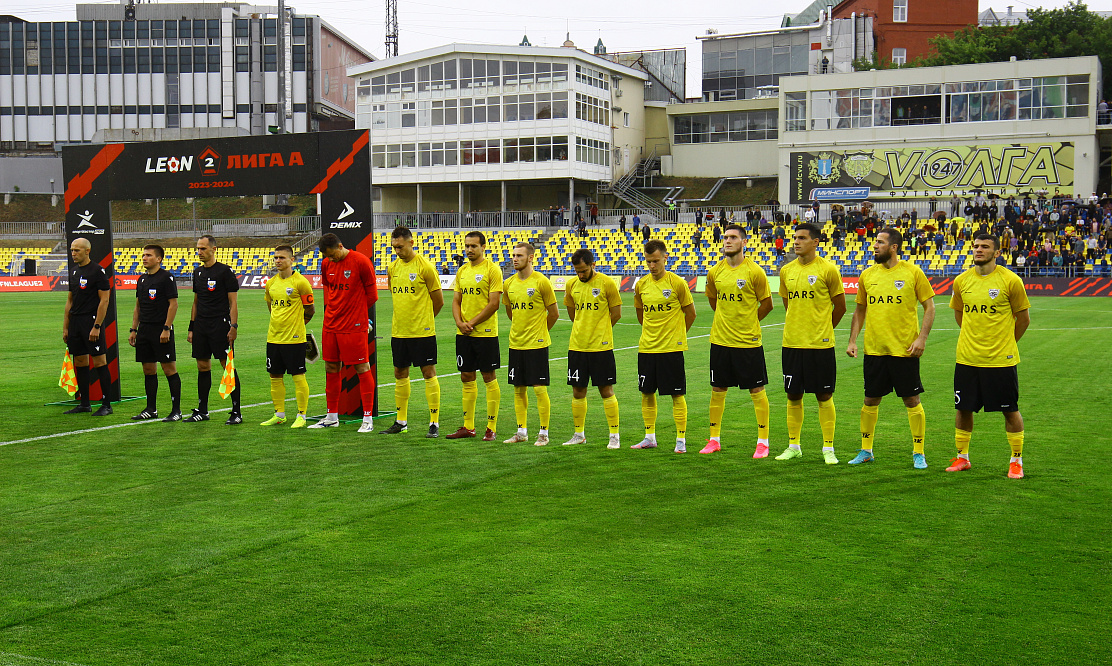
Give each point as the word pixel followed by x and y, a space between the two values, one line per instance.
pixel 205 544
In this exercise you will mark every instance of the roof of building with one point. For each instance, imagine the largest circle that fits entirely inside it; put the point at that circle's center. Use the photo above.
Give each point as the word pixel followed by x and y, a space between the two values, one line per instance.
pixel 810 15
pixel 548 51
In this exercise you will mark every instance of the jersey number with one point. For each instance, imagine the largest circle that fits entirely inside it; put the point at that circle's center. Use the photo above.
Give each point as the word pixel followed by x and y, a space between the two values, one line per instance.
pixel 641 380
pixel 511 375
pixel 573 376
pixel 787 381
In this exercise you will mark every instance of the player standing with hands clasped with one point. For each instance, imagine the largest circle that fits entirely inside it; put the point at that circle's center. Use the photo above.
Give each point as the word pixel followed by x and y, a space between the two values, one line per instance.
pixel 888 294
pixel 289 298
pixel 152 333
pixel 213 326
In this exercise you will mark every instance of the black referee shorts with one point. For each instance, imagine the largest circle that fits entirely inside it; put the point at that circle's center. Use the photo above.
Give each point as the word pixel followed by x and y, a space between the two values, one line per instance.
pixel 149 347
pixel 883 374
pixel 809 370
pixel 210 339
pixel 413 352
pixel 743 367
pixel 528 367
pixel 477 354
pixel 597 367
pixel 991 389
pixel 78 339
pixel 284 359
pixel 661 373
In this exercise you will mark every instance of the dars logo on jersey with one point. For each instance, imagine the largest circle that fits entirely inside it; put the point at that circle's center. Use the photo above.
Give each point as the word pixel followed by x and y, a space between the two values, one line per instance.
pixel 899 284
pixel 811 279
pixel 993 293
pixel 212 285
pixel 152 293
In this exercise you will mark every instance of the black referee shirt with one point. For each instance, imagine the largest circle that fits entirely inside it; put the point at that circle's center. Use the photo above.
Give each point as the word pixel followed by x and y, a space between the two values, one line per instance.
pixel 86 283
pixel 212 285
pixel 154 292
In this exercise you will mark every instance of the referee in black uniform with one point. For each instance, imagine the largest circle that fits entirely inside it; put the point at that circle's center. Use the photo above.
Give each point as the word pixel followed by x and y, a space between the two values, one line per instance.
pixel 86 307
pixel 152 332
pixel 213 324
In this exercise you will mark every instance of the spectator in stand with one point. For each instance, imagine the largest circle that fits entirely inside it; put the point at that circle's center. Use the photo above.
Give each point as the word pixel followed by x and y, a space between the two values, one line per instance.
pixel 636 223
pixel 955 205
pixel 1091 247
pixel 1102 112
pixel 645 232
pixel 594 214
pixel 717 234
pixel 622 224
pixel 939 241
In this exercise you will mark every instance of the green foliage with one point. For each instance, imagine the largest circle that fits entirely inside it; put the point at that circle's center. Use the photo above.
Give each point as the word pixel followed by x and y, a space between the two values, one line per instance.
pixel 872 61
pixel 1067 32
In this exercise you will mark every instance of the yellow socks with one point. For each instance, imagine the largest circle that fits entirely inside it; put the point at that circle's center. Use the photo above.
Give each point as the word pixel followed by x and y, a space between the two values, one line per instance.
pixel 521 406
pixel 578 413
pixel 301 390
pixel 648 412
pixel 795 422
pixel 717 409
pixel 679 415
pixel 917 419
pixel 610 407
pixel 961 439
pixel 869 416
pixel 470 397
pixel 760 408
pixel 494 399
pixel 544 406
pixel 827 419
pixel 401 399
pixel 1015 440
pixel 432 395
pixel 278 395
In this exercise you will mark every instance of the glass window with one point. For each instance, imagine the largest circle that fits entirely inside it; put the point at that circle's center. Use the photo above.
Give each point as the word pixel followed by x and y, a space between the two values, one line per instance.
pixel 899 57
pixel 899 11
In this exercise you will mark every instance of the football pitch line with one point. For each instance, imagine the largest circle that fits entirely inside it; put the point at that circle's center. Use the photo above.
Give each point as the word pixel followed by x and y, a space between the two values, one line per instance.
pixel 260 404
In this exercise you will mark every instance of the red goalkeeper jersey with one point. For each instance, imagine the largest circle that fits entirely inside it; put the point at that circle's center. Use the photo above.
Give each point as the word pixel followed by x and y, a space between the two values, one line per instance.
pixel 349 292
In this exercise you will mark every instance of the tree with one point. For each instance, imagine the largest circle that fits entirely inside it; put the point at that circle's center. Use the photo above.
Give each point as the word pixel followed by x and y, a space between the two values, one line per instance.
pixel 1049 33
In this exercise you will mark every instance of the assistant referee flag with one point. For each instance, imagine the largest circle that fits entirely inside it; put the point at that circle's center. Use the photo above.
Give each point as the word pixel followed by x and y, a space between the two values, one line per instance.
pixel 228 381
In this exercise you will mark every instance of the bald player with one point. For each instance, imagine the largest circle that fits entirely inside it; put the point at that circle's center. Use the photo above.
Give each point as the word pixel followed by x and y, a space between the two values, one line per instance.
pixel 86 308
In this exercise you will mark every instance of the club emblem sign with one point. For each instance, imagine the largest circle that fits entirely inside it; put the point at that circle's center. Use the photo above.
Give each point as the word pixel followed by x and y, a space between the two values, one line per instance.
pixel 347 274
pixel 667 293
pixel 595 292
pixel 993 293
pixel 412 277
pixel 289 291
pixel 741 284
pixel 212 285
pixel 152 293
pixel 899 284
pixel 812 279
pixel 530 291
pixel 478 279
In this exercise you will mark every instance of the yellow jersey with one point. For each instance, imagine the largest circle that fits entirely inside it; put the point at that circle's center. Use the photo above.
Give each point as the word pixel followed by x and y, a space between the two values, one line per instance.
pixel 891 296
pixel 411 286
pixel 663 327
pixel 808 290
pixel 591 331
pixel 476 283
pixel 529 300
pixel 740 292
pixel 287 298
pixel 989 305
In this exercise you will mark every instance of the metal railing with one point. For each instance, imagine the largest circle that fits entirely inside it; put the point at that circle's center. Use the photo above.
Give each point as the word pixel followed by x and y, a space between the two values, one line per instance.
pixel 472 220
pixel 243 227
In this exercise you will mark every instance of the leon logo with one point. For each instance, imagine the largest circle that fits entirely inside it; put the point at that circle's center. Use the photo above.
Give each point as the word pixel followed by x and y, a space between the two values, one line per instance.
pixel 212 285
pixel 740 284
pixel 899 284
pixel 667 293
pixel 152 293
pixel 83 281
pixel 412 277
pixel 347 274
pixel 169 164
pixel 478 279
pixel 993 293
pixel 812 279
pixel 530 291
pixel 595 292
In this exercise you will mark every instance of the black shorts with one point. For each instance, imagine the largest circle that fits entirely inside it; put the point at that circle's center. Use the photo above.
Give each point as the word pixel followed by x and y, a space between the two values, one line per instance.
pixel 413 352
pixel 77 340
pixel 149 347
pixel 883 374
pixel 528 367
pixel 477 354
pixel 210 339
pixel 993 389
pixel 284 359
pixel 743 367
pixel 597 367
pixel 661 373
pixel 809 370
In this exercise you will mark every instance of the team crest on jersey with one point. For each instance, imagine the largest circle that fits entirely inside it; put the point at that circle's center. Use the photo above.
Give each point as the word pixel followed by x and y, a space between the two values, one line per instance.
pixel 212 285
pixel 412 277
pixel 667 293
pixel 741 284
pixel 289 291
pixel 347 274
pixel 530 291
pixel 811 279
pixel 595 292
pixel 152 293
pixel 478 279
pixel 993 293
pixel 83 281
pixel 899 284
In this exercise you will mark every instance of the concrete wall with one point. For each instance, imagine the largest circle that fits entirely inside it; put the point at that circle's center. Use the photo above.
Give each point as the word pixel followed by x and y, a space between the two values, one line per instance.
pixel 31 174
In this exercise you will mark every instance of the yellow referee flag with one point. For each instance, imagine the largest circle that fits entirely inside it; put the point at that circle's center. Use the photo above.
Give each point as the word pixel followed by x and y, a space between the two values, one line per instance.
pixel 228 381
pixel 68 379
